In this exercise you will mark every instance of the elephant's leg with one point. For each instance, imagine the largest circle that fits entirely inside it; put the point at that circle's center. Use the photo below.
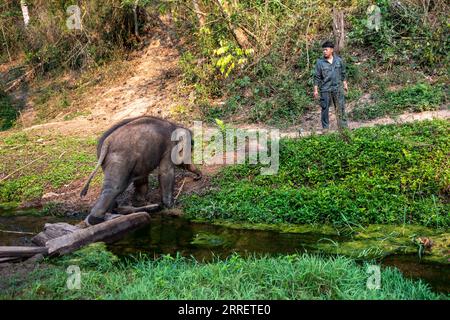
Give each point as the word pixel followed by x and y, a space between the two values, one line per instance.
pixel 166 182
pixel 115 183
pixel 140 191
pixel 113 206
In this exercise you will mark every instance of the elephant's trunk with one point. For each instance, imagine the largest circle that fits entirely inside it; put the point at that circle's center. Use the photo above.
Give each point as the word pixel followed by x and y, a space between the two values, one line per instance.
pixel 190 167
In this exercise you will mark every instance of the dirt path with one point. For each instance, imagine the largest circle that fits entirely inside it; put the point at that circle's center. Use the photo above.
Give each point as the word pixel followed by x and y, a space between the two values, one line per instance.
pixel 314 125
pixel 149 85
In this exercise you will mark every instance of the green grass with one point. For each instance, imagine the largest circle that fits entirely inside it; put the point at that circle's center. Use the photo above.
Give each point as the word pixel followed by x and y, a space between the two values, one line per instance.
pixel 8 113
pixel 46 164
pixel 255 277
pixel 386 174
pixel 415 98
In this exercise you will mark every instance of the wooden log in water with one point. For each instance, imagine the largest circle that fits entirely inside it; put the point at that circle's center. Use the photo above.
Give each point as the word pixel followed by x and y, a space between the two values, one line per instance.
pixel 56 230
pixel 129 209
pixel 21 251
pixel 106 231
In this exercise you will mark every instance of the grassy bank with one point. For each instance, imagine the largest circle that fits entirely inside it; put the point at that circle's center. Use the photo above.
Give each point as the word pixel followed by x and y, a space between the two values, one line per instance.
pixel 387 174
pixel 415 98
pixel 282 277
pixel 32 165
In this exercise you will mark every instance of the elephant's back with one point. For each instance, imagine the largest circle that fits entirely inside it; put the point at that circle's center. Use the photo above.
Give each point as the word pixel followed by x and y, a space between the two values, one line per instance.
pixel 140 128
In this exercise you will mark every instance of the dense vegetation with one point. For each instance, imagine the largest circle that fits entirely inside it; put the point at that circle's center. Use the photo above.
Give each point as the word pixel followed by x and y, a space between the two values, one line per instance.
pixel 255 56
pixel 48 44
pixel 260 59
pixel 282 277
pixel 386 174
pixel 8 113
pixel 248 61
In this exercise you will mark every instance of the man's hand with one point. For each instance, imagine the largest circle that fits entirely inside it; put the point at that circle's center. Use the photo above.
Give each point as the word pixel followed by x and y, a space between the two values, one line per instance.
pixel 345 87
pixel 316 92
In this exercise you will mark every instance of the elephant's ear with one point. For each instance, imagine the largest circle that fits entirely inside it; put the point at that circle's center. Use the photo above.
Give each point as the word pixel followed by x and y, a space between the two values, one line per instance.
pixel 181 151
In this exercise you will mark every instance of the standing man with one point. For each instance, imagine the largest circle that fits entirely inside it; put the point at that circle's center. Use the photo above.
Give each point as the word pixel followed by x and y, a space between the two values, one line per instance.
pixel 330 78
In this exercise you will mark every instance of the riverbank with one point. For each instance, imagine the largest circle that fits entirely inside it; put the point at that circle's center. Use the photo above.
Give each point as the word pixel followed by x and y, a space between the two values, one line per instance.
pixel 259 277
pixel 168 234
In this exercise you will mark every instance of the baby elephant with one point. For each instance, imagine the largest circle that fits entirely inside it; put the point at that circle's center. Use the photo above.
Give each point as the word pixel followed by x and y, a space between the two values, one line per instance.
pixel 130 150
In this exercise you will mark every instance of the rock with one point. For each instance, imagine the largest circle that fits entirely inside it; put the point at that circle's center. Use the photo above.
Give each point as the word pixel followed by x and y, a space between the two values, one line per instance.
pixel 53 230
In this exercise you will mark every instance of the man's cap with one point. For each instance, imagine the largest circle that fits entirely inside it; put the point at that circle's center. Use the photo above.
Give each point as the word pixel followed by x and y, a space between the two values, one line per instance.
pixel 328 44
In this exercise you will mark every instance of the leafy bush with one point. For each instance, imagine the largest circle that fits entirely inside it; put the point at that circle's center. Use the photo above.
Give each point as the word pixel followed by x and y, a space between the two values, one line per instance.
pixel 387 174
pixel 408 32
pixel 107 29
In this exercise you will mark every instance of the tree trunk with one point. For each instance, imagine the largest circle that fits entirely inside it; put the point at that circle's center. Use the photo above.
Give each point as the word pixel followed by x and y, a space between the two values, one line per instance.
pixel 62 238
pixel 136 26
pixel 198 12
pixel 21 251
pixel 338 30
pixel 238 33
pixel 26 16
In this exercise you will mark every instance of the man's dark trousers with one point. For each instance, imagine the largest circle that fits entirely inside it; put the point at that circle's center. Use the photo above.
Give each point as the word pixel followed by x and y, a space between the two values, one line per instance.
pixel 338 99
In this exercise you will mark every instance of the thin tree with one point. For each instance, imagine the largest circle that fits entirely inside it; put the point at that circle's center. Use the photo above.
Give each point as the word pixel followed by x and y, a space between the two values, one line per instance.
pixel 237 31
pixel 199 13
pixel 26 16
pixel 338 29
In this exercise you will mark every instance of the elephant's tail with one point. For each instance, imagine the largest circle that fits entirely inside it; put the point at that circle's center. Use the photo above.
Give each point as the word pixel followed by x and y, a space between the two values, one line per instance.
pixel 102 156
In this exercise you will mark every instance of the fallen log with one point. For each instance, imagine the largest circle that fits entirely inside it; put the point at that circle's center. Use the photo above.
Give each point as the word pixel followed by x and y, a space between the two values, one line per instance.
pixel 129 209
pixel 62 238
pixel 56 230
pixel 9 259
pixel 7 252
pixel 107 231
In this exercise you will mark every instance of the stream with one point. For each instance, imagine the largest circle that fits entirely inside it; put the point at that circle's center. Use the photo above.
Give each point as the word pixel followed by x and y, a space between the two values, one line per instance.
pixel 169 235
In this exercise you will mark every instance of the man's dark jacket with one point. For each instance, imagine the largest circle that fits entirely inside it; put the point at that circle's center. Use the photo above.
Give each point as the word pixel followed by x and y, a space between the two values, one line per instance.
pixel 329 76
